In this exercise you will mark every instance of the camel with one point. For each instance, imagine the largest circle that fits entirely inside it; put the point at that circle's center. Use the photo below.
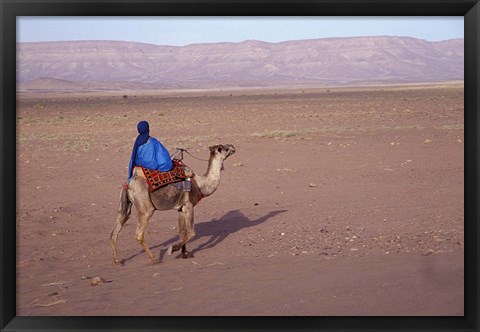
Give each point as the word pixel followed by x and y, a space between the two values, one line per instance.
pixel 168 198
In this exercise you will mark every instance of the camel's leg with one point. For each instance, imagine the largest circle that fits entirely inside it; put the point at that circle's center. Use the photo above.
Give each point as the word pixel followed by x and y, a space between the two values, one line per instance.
pixel 181 232
pixel 186 230
pixel 113 236
pixel 143 219
pixel 190 229
pixel 122 217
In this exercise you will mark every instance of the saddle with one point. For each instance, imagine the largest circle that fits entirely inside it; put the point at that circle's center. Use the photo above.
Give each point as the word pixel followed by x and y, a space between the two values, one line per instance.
pixel 157 179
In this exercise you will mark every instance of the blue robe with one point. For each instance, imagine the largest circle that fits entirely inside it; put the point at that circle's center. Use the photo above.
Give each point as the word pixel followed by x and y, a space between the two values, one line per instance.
pixel 151 155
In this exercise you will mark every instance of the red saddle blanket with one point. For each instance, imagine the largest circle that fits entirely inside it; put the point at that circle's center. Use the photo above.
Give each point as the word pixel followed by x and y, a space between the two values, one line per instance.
pixel 157 179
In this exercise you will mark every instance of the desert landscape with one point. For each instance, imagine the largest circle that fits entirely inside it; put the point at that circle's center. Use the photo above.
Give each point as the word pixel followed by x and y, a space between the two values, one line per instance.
pixel 339 201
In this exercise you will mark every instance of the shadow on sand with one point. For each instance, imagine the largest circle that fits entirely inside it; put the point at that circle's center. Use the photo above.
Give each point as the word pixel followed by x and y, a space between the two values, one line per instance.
pixel 214 231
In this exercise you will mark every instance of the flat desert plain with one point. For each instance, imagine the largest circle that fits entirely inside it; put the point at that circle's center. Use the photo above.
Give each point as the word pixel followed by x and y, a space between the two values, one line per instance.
pixel 337 202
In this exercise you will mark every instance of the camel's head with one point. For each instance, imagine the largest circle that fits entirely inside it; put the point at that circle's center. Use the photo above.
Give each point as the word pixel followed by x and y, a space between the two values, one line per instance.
pixel 222 151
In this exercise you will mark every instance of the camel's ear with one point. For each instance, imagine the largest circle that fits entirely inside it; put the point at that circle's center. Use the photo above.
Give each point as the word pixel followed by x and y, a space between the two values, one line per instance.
pixel 212 148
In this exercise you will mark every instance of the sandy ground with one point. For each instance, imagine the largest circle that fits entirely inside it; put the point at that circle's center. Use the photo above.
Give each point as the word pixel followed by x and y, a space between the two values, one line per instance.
pixel 337 202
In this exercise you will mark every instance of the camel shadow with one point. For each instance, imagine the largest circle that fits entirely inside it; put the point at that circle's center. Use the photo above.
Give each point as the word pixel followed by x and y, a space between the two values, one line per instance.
pixel 216 231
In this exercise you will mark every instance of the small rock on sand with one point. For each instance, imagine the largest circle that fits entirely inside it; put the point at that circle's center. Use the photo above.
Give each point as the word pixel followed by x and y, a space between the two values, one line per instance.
pixel 428 252
pixel 97 281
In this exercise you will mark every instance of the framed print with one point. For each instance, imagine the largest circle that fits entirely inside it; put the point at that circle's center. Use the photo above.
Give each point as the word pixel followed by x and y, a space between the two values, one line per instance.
pixel 223 165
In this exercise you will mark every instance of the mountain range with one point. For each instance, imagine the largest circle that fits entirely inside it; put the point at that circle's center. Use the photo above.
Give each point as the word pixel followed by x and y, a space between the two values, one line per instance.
pixel 73 65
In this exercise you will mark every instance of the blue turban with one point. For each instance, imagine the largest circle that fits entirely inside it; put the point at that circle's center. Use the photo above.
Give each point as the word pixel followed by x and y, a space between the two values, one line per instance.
pixel 142 138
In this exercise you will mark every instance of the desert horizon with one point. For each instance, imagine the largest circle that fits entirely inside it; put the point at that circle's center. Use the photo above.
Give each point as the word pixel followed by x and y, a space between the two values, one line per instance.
pixel 352 61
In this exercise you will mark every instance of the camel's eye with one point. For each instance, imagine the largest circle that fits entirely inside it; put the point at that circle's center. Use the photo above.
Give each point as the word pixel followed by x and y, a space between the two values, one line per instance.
pixel 219 149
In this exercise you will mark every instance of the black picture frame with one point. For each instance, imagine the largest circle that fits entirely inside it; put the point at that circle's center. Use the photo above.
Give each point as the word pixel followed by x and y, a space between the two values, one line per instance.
pixel 10 9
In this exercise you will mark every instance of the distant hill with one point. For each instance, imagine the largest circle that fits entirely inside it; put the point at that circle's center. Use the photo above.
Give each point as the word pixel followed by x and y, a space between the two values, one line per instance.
pixel 330 61
pixel 47 83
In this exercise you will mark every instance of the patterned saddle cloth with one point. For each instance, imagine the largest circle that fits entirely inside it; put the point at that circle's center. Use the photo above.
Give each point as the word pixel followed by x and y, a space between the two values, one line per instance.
pixel 157 179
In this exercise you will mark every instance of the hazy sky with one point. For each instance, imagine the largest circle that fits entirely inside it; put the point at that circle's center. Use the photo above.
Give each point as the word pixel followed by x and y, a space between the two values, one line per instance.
pixel 181 31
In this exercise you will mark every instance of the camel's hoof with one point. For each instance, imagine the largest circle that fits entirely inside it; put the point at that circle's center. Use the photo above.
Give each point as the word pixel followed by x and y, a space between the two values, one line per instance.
pixel 185 254
pixel 170 250
pixel 153 261
pixel 116 261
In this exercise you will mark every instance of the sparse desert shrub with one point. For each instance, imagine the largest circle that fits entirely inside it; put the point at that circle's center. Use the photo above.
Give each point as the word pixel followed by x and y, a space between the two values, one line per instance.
pixel 275 134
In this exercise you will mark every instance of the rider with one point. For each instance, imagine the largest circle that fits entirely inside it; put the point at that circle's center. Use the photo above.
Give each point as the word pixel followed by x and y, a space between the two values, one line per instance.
pixel 148 152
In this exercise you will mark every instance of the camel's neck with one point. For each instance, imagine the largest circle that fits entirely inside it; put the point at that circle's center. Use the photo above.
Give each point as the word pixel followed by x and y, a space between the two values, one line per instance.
pixel 211 180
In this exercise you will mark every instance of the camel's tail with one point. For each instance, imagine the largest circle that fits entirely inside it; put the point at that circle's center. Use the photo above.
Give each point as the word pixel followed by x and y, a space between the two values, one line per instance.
pixel 124 209
pixel 125 206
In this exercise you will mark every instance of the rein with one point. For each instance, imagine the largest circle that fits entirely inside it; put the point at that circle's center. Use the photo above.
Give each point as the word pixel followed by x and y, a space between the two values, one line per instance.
pixel 180 151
